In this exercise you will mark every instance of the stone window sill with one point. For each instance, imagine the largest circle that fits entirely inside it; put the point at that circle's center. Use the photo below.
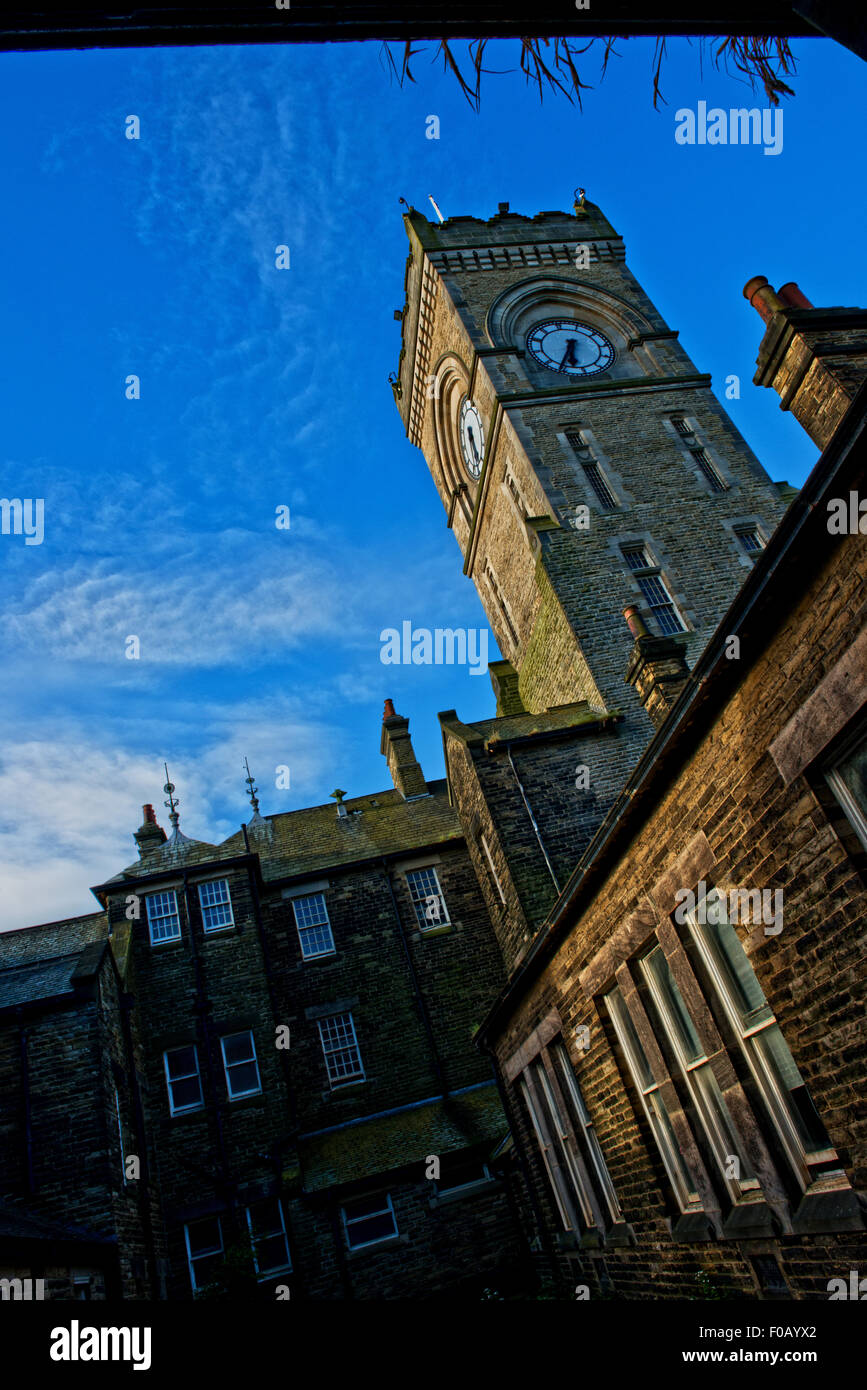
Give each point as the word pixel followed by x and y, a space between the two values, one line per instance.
pixel 476 1189
pixel 434 931
pixel 388 1244
pixel 690 1227
pixel 833 1207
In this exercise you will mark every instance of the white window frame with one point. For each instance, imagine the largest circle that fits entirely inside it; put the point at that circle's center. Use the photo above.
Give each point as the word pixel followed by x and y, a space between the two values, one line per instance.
pixel 855 813
pixel 157 917
pixel 368 1216
pixel 565 1149
pixel 213 883
pixel 430 900
pixel 445 1189
pixel 558 1049
pixel 700 1082
pixel 330 1050
pixel 245 1062
pixel 310 927
pixel 286 1267
pixel 203 1254
pixel 656 1110
pixel 199 1104
pixel 748 1030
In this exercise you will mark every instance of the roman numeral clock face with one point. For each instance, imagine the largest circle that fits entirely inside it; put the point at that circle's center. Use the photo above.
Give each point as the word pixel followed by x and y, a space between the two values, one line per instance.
pixel 563 345
pixel 472 438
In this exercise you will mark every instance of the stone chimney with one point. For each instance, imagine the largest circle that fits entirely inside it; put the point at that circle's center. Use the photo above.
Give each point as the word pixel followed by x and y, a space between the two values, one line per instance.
pixel 815 359
pixel 149 835
pixel 396 746
pixel 504 679
pixel 657 667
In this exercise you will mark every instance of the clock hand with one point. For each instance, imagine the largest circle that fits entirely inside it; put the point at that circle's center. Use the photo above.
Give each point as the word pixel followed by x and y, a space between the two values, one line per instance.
pixel 569 358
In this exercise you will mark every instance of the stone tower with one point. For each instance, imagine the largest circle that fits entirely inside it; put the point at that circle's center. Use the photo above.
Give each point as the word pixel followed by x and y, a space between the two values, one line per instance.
pixel 583 461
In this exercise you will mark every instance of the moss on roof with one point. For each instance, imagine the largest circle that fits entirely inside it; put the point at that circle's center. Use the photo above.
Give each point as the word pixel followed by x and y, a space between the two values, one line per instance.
pixel 393 1141
pixel 316 838
pixel 507 727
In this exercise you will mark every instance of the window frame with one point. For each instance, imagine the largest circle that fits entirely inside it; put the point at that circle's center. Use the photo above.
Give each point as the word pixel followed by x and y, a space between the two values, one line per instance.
pixel 664 1120
pixel 356 1076
pixel 313 926
pixel 645 574
pixel 566 1138
pixel 697 1073
pixel 163 916
pixel 368 1216
pixel 203 1255
pixel 205 908
pixel 750 529
pixel 773 1099
pixel 855 814
pixel 200 1103
pixel 228 1066
pixel 443 919
pixel 286 1267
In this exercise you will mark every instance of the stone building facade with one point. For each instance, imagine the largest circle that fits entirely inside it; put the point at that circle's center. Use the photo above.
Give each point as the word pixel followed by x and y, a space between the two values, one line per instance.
pixel 276 1066
pixel 584 1012
pixel 687 1086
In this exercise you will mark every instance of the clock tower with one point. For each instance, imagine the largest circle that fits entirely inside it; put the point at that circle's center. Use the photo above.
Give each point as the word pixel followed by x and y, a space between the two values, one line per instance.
pixel 583 461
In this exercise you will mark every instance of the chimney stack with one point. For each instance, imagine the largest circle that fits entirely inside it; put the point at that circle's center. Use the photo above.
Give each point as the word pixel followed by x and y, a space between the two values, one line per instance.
pixel 815 359
pixel 149 835
pixel 396 746
pixel 657 667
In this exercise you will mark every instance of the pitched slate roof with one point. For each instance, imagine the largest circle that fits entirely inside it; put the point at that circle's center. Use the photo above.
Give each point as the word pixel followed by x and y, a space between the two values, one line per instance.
pixel 316 838
pixel 178 850
pixel 41 943
pixel 392 1141
pixel 45 979
pixel 20 1224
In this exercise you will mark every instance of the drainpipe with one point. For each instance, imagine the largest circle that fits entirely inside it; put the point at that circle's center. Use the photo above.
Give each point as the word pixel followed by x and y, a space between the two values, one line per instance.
pixel 284 1059
pixel 532 819
pixel 269 979
pixel 202 1006
pixel 28 1120
pixel 419 997
pixel 143 1192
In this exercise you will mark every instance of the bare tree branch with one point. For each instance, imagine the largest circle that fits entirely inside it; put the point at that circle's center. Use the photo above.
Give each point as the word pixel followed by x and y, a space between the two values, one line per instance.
pixel 761 60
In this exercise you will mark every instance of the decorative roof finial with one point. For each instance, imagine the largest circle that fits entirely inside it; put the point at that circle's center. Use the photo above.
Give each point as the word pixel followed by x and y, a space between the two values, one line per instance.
pixel 338 795
pixel 254 800
pixel 580 194
pixel 172 804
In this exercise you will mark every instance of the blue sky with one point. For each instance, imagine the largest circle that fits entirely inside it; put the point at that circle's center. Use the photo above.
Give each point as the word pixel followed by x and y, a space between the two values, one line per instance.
pixel 262 388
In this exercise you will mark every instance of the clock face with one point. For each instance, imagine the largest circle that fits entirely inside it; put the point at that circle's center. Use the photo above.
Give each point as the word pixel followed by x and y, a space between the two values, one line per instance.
pixel 472 437
pixel 563 345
